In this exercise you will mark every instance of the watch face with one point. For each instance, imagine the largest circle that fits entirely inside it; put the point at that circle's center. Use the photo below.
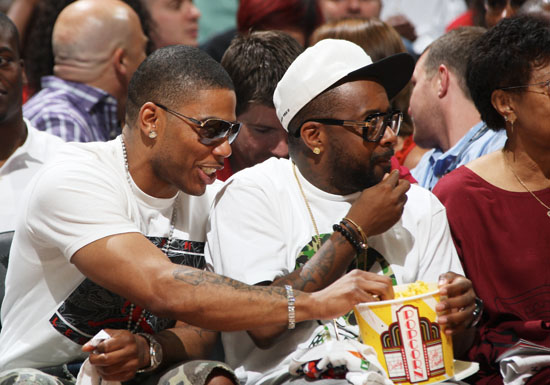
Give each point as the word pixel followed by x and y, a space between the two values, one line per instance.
pixel 158 353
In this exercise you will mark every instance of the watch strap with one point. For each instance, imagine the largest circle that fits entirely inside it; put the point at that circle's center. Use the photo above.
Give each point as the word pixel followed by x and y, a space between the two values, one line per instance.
pixel 477 313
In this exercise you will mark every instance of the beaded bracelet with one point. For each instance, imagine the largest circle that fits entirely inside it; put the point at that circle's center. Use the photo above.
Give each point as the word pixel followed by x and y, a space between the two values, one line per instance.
pixel 291 308
pixel 345 225
pixel 359 229
pixel 359 246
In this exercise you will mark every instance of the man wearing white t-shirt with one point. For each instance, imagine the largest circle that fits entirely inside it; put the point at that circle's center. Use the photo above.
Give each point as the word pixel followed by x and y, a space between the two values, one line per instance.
pixel 112 234
pixel 23 149
pixel 305 221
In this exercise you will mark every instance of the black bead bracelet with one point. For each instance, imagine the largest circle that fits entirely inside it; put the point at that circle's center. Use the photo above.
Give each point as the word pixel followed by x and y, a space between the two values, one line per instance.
pixel 358 246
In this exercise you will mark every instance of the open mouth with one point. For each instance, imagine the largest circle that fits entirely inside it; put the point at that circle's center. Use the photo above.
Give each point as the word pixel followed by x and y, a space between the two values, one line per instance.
pixel 208 170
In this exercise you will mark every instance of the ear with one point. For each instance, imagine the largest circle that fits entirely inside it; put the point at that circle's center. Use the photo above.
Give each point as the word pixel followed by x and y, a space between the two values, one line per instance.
pixel 150 119
pixel 119 61
pixel 442 80
pixel 313 136
pixel 503 102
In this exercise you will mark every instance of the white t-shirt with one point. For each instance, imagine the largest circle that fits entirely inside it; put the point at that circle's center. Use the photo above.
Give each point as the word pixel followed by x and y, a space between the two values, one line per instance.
pixel 259 227
pixel 18 170
pixel 50 308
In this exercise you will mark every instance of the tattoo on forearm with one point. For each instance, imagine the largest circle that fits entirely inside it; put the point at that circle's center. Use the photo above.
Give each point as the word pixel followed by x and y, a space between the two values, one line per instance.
pixel 196 277
pixel 318 272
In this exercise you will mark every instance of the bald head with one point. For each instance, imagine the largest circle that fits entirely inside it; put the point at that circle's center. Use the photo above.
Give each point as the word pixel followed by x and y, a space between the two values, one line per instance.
pixel 88 32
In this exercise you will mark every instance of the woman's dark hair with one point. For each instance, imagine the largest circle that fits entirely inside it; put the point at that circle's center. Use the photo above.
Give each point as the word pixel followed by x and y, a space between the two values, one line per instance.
pixel 505 56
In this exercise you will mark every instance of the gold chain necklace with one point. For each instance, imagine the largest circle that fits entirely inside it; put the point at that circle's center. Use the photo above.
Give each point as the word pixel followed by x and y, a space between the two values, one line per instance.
pixel 318 240
pixel 525 187
pixel 317 245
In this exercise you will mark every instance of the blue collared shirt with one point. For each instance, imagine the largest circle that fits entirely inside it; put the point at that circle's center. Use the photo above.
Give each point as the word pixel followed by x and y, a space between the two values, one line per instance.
pixel 480 140
pixel 73 111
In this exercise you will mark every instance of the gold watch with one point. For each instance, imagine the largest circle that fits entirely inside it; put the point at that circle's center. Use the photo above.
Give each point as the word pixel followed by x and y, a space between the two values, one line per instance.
pixel 155 353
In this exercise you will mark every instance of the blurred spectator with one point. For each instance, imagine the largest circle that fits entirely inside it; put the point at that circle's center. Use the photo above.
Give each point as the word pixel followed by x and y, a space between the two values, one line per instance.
pixel 342 9
pixel 256 62
pixel 474 16
pixel 497 10
pixel 444 114
pixel 23 149
pixel 379 40
pixel 536 7
pixel 298 18
pixel 5 5
pixel 173 22
pixel 429 17
pixel 35 19
pixel 97 47
pixel 334 10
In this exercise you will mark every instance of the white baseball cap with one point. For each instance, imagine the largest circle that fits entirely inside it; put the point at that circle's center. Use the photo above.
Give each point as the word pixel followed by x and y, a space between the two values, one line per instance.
pixel 326 63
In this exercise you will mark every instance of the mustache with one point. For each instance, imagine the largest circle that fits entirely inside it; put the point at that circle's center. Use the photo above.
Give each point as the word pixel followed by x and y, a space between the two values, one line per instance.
pixel 384 156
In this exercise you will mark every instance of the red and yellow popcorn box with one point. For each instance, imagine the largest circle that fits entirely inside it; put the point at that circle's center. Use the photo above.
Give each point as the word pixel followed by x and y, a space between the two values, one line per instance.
pixel 410 344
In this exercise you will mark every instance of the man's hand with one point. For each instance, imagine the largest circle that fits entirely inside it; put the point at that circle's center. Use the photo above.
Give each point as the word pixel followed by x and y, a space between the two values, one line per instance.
pixel 118 358
pixel 355 287
pixel 379 207
pixel 403 26
pixel 458 303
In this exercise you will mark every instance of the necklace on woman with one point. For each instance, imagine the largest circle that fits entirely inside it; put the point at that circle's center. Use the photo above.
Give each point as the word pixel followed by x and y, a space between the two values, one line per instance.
pixel 525 187
pixel 164 247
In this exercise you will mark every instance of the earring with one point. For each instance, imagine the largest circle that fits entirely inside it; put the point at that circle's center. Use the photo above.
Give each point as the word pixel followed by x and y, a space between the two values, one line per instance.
pixel 152 134
pixel 316 150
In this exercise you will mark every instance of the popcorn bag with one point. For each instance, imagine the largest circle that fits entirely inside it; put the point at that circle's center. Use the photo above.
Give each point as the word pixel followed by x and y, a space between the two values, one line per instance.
pixel 409 343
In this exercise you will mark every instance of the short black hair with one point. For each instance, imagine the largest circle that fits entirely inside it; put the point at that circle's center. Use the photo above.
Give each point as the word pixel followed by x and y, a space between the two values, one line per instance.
pixel 505 56
pixel 256 62
pixel 171 75
pixel 7 25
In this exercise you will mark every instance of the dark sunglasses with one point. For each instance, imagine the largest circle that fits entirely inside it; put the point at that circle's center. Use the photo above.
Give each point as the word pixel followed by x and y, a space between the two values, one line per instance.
pixel 499 5
pixel 210 130
pixel 372 128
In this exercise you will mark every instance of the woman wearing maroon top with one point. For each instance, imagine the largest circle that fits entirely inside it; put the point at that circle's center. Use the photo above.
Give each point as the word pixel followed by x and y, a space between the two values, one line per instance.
pixel 499 205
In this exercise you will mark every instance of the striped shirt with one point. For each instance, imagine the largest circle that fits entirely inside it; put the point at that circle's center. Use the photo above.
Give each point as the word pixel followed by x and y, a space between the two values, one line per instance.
pixel 73 111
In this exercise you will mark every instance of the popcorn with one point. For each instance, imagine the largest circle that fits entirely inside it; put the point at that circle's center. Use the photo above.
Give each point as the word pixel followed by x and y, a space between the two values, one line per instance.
pixel 412 289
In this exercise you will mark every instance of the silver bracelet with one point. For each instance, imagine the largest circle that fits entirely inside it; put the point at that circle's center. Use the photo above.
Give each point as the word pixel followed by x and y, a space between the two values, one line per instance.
pixel 291 308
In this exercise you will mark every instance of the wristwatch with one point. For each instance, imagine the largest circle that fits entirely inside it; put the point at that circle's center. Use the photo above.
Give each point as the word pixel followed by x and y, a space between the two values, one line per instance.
pixel 155 353
pixel 477 313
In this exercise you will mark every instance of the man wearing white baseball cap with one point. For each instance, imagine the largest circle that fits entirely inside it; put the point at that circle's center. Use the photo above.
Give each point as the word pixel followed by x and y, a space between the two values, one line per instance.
pixel 331 208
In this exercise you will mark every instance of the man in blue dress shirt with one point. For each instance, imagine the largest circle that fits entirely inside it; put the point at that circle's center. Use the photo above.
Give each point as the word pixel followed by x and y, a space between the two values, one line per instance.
pixel 444 114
